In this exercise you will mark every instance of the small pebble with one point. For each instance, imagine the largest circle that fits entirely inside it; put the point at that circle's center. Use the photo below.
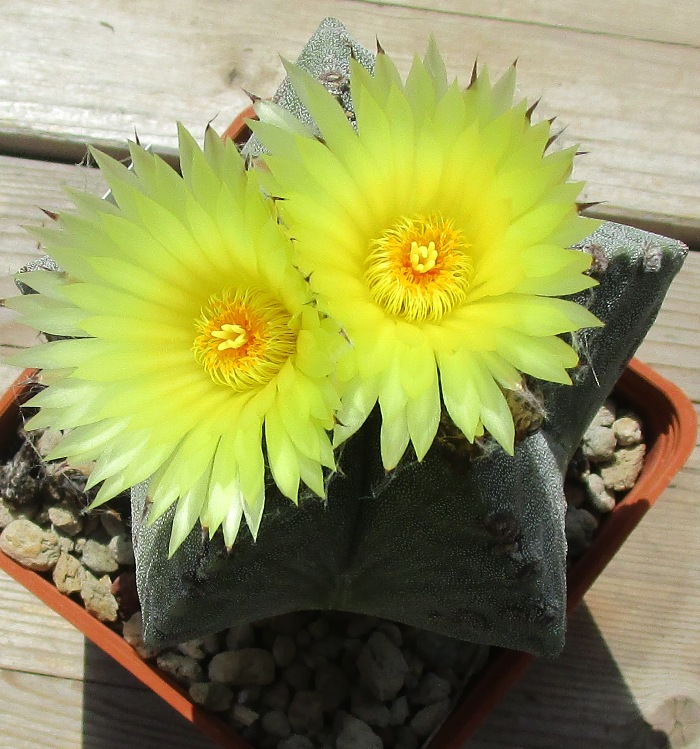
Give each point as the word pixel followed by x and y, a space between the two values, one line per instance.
pixel 628 430
pixel 415 668
pixel 276 696
pixel 431 688
pixel 392 631
pixel 249 695
pixel 425 721
pixel 212 643
pixel 332 685
pixel 598 444
pixel 124 590
pixel 440 652
pixel 66 543
pixel 182 668
pixel 132 632
pixel 98 557
pixel 276 723
pixel 66 517
pixel 295 741
pixel 313 660
pixel 30 545
pixel 193 649
pixel 298 675
pixel 284 650
pixel 601 499
pixel 319 628
pixel 211 695
pixel 249 666
pixel 369 709
pixel 626 465
pixel 47 441
pixel 382 667
pixel 122 550
pixel 356 734
pixel 112 523
pixel 399 711
pixel 243 715
pixel 606 414
pixel 8 513
pixel 580 526
pixel 98 598
pixel 68 574
pixel 305 712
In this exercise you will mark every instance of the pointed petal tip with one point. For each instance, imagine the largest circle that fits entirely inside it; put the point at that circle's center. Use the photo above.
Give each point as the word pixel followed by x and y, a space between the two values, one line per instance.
pixel 591 204
pixel 474 73
pixel 51 214
pixel 253 97
pixel 530 110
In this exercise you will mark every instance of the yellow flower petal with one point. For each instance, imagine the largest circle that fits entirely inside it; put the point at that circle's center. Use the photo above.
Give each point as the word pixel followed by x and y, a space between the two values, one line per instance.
pixel 427 154
pixel 203 336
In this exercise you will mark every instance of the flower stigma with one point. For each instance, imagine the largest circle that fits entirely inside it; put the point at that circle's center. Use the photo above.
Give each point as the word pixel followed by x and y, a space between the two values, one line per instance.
pixel 419 269
pixel 243 338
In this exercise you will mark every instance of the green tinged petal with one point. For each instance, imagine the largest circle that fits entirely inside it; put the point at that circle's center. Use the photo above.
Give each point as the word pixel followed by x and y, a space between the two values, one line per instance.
pixel 435 66
pixel 48 283
pixel 423 417
pixel 281 455
pixel 495 413
pixel 279 117
pixel 49 315
pixel 187 513
pixel 394 439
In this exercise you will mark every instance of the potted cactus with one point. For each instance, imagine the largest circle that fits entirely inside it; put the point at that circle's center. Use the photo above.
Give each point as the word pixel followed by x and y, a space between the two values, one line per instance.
pixel 347 369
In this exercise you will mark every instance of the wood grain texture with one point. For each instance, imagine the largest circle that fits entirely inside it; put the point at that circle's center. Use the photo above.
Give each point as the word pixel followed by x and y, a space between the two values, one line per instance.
pixel 39 711
pixel 624 18
pixel 625 79
pixel 95 71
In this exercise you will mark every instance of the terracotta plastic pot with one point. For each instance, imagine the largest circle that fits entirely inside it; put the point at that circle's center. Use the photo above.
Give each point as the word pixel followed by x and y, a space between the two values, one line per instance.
pixel 670 426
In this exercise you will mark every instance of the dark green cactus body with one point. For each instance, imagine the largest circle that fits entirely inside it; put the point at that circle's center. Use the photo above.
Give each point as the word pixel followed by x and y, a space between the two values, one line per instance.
pixel 475 551
pixel 472 547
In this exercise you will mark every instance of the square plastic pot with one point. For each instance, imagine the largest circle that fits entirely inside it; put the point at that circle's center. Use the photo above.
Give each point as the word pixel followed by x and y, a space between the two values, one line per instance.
pixel 670 426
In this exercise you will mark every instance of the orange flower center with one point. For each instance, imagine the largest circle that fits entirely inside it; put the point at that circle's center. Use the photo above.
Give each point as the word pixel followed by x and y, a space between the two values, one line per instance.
pixel 419 269
pixel 243 338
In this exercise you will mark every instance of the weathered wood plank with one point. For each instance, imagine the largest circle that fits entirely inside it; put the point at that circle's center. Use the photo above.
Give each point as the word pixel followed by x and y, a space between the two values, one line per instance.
pixel 42 711
pixel 632 103
pixel 26 646
pixel 625 18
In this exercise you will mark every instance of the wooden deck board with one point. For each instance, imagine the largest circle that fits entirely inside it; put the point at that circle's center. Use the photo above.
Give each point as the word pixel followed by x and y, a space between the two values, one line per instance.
pixel 631 101
pixel 41 711
pixel 624 76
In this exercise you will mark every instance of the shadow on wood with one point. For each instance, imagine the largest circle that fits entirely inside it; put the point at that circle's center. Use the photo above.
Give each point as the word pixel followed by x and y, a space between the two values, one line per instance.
pixel 578 701
pixel 115 717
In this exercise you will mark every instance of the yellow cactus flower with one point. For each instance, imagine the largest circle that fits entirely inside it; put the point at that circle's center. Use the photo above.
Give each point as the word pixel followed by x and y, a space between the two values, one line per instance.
pixel 434 228
pixel 192 335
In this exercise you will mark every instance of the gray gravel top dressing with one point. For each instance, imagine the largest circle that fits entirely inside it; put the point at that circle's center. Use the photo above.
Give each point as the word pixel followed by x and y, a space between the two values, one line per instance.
pixel 308 680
